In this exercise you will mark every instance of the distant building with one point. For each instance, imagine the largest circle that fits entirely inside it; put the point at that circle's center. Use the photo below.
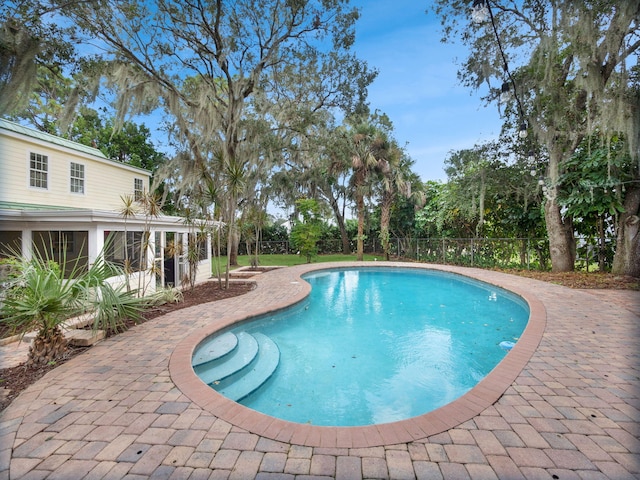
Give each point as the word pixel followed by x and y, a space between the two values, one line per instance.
pixel 59 196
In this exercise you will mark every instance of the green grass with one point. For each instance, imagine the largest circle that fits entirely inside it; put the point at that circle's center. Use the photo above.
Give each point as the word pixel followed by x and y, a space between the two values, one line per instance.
pixel 290 260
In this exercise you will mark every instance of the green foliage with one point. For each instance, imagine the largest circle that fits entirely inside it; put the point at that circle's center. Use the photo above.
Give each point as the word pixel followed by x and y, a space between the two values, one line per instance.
pixel 592 184
pixel 9 268
pixel 306 233
pixel 46 105
pixel 272 232
pixel 39 296
pixel 413 198
pixel 110 305
pixel 573 69
pixel 167 295
pixel 487 195
pixel 426 219
pixel 371 152
pixel 34 48
pixel 352 227
pixel 130 143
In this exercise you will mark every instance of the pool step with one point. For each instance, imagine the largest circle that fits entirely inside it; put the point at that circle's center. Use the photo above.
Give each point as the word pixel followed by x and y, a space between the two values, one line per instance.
pixel 214 348
pixel 242 369
pixel 220 368
pixel 249 379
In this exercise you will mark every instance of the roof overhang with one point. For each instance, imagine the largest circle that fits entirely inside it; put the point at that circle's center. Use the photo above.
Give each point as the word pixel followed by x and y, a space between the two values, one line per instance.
pixel 14 219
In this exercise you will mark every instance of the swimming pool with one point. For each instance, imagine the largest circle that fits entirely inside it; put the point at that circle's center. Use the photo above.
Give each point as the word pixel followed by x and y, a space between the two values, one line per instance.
pixel 378 345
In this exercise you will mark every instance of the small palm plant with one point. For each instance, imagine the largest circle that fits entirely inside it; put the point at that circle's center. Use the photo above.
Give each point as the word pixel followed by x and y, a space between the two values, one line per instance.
pixel 40 296
pixel 37 298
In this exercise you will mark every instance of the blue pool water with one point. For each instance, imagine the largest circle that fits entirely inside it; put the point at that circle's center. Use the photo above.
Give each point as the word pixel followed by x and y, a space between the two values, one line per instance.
pixel 377 345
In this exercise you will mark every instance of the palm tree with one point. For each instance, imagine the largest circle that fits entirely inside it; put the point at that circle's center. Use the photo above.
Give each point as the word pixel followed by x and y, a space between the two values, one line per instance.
pixel 127 210
pixel 369 151
pixel 39 296
pixel 151 208
pixel 392 183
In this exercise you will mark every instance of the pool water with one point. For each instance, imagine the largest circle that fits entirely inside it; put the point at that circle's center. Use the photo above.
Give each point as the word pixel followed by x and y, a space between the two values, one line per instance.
pixel 377 345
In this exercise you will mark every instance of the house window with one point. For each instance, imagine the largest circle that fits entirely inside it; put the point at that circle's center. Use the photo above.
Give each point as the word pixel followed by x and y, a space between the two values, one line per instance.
pixel 10 245
pixel 66 242
pixel 198 243
pixel 138 189
pixel 67 248
pixel 54 243
pixel 77 178
pixel 125 249
pixel 38 170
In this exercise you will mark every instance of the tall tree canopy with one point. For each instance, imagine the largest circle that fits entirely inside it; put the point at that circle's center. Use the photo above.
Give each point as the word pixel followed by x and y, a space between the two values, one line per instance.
pixel 573 68
pixel 31 42
pixel 202 61
pixel 370 150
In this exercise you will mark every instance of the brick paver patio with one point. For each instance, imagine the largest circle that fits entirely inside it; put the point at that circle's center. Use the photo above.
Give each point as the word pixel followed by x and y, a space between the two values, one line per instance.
pixel 125 409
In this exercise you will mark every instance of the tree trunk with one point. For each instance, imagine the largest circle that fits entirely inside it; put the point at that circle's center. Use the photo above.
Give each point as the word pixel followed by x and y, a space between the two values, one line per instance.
pixel 360 207
pixel 562 246
pixel 47 347
pixel 346 247
pixel 385 220
pixel 626 260
pixel 234 242
pixel 255 261
pixel 602 245
pixel 344 237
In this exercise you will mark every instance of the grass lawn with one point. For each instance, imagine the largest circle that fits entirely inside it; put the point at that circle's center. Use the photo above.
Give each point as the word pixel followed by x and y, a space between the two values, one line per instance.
pixel 289 260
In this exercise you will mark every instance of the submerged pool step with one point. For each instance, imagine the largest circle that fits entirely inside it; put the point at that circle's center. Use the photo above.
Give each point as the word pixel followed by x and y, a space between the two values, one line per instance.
pixel 236 365
pixel 240 357
pixel 252 377
pixel 214 348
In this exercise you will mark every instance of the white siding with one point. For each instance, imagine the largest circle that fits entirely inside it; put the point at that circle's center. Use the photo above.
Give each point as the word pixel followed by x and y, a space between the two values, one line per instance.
pixel 14 174
pixel 105 181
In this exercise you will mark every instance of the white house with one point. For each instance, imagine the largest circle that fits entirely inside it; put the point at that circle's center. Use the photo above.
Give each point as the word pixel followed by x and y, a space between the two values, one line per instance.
pixel 58 195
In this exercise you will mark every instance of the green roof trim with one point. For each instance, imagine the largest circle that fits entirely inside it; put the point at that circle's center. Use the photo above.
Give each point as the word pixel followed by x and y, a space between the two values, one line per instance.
pixel 63 142
pixel 47 137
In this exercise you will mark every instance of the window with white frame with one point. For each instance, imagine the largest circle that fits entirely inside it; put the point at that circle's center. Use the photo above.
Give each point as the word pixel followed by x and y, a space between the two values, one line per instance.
pixel 126 249
pixel 38 170
pixel 138 189
pixel 77 177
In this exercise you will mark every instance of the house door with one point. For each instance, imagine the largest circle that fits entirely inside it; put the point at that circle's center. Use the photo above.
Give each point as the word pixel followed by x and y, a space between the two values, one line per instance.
pixel 170 272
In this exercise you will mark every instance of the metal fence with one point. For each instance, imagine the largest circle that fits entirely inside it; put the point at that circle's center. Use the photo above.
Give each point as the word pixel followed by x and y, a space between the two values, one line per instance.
pixel 477 252
pixel 527 253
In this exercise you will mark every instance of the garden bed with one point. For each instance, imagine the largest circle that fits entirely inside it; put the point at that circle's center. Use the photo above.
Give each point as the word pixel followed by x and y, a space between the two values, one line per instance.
pixel 15 379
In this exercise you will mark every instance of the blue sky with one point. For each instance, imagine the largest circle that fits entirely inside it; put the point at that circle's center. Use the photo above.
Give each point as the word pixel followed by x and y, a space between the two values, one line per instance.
pixel 417 85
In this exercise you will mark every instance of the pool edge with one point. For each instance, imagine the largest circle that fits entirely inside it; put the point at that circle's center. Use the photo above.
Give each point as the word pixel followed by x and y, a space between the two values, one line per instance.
pixel 466 407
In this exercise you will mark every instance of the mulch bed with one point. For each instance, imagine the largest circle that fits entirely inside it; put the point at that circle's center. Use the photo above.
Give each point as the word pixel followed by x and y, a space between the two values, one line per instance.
pixel 15 379
pixel 582 280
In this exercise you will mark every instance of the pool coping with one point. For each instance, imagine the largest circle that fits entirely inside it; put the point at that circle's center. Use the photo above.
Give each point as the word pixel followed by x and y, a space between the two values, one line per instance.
pixel 285 287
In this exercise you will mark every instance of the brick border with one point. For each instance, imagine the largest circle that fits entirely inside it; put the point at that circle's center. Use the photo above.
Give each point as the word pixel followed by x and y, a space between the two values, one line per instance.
pixel 271 285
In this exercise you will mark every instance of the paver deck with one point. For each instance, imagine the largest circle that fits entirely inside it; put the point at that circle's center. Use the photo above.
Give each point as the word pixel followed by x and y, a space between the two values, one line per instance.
pixel 566 406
